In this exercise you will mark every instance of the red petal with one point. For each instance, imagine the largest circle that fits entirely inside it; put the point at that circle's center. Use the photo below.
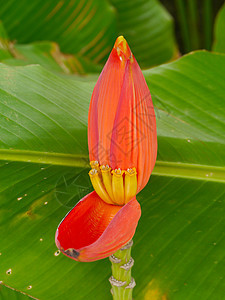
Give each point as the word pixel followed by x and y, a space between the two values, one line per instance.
pixel 94 230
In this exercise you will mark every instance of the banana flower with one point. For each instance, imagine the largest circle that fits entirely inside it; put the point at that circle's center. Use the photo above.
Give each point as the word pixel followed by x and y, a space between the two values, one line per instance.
pixel 122 150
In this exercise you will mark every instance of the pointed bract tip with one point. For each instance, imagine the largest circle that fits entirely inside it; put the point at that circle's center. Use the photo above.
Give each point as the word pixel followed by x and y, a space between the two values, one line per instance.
pixel 122 48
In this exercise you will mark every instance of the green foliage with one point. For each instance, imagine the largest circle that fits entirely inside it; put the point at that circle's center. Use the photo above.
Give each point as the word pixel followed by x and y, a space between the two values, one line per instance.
pixel 72 24
pixel 149 29
pixel 87 30
pixel 194 21
pixel 219 43
pixel 178 247
pixel 11 294
pixel 4 45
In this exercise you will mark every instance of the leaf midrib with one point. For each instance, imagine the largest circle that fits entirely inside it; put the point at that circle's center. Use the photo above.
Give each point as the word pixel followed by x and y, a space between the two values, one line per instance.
pixel 162 168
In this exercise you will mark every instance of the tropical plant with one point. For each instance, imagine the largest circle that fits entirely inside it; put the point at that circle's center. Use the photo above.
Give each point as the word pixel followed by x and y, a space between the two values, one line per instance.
pixel 51 55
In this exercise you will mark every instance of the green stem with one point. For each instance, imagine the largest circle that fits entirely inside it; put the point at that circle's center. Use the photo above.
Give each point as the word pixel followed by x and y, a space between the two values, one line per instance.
pixel 193 24
pixel 121 280
pixel 182 19
pixel 207 19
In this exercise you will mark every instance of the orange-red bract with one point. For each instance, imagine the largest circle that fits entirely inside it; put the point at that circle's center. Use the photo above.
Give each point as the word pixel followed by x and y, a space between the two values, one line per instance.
pixel 121 125
pixel 93 229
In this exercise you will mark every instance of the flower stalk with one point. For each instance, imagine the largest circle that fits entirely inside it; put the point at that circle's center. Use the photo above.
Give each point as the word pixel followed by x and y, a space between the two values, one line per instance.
pixel 121 280
pixel 122 144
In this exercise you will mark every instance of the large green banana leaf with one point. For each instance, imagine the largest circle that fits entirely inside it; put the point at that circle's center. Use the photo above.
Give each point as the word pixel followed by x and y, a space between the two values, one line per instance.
pixel 180 240
pixel 44 53
pixel 7 293
pixel 88 28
